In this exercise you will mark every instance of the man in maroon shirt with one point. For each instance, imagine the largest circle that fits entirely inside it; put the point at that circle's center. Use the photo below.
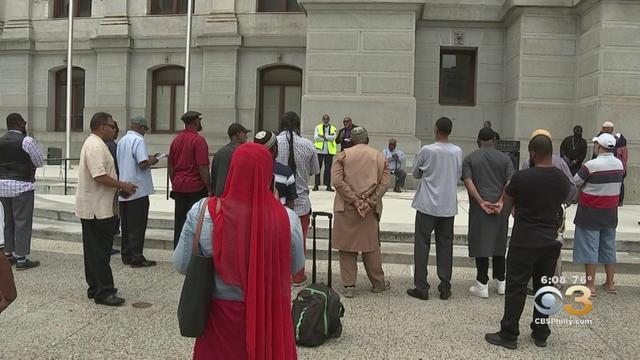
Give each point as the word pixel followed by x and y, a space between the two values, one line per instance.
pixel 188 169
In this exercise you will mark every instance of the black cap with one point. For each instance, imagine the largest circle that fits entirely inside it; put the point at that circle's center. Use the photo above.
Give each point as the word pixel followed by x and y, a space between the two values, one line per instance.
pixel 190 116
pixel 486 134
pixel 236 128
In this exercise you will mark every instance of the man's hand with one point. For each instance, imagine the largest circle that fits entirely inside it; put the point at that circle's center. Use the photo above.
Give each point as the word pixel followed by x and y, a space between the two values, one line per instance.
pixel 487 207
pixel 153 160
pixel 128 187
pixel 497 207
pixel 395 156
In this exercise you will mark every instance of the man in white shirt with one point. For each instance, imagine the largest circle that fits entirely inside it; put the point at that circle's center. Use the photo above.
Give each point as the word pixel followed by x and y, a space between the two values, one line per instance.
pixel 96 206
pixel 395 161
pixel 439 166
pixel 135 164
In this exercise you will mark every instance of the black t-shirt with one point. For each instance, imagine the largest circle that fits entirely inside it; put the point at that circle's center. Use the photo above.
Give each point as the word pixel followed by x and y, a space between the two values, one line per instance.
pixel 538 194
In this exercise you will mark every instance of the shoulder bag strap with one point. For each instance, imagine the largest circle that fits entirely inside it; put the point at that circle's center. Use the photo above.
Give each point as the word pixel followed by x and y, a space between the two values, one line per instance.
pixel 196 237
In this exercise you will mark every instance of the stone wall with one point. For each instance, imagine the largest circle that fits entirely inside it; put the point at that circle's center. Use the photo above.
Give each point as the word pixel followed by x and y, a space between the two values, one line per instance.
pixel 489 41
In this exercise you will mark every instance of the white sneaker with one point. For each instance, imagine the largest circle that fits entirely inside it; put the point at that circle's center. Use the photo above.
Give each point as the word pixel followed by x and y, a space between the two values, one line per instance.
pixel 501 286
pixel 480 290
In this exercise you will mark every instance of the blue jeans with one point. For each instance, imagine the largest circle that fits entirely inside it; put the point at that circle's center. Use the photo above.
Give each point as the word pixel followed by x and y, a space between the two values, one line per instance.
pixel 594 246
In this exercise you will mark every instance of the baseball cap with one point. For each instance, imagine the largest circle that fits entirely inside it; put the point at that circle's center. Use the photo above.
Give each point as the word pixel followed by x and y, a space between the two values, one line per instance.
pixel 190 116
pixel 486 134
pixel 606 140
pixel 607 124
pixel 541 132
pixel 236 128
pixel 139 120
pixel 266 138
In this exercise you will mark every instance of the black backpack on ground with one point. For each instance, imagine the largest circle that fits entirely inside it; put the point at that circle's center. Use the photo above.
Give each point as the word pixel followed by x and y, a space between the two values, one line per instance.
pixel 317 308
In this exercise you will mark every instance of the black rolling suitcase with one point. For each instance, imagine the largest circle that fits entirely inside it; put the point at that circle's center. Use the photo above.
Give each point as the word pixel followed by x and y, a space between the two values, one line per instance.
pixel 317 308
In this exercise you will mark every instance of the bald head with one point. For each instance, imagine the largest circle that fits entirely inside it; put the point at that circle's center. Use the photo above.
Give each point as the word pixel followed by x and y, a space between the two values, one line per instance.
pixel 540 149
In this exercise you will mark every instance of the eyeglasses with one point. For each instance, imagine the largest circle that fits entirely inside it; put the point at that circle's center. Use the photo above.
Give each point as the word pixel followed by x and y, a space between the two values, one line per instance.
pixel 112 126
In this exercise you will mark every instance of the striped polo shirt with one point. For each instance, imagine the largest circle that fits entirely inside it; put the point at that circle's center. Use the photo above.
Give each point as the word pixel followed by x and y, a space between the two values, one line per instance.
pixel 600 180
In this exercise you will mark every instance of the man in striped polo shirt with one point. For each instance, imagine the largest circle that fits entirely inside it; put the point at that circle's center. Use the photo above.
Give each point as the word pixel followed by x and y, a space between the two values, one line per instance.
pixel 597 215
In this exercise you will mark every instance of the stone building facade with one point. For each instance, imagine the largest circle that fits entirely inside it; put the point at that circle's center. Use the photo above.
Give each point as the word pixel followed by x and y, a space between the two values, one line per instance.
pixel 394 66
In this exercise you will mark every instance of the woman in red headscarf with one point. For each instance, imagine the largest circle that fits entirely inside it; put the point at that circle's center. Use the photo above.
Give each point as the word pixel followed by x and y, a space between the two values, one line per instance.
pixel 256 245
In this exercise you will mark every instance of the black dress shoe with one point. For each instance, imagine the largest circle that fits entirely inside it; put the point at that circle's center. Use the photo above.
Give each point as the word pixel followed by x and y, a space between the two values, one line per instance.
pixel 92 294
pixel 143 263
pixel 111 300
pixel 115 251
pixel 27 264
pixel 330 189
pixel 538 341
pixel 418 294
pixel 497 339
pixel 445 294
pixel 315 188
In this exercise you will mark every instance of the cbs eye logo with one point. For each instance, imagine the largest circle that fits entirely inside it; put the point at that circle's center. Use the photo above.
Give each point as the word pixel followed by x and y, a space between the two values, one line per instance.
pixel 549 300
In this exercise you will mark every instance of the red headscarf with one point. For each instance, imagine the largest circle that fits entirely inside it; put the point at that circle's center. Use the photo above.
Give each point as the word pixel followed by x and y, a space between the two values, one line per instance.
pixel 252 250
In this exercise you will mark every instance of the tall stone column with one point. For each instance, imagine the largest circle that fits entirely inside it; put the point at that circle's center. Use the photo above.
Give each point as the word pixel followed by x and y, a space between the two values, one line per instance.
pixel 16 44
pixel 112 45
pixel 361 63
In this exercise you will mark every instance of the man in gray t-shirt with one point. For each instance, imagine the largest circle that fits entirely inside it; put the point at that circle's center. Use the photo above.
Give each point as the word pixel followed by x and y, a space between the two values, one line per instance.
pixel 439 167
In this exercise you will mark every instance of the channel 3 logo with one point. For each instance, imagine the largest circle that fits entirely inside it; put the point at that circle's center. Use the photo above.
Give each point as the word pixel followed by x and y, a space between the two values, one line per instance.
pixel 549 300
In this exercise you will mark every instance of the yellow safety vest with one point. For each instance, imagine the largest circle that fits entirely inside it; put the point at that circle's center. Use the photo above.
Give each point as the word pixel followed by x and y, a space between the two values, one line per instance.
pixel 331 144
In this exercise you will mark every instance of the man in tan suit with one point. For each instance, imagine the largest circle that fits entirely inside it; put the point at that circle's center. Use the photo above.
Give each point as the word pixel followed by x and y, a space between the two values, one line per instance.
pixel 360 177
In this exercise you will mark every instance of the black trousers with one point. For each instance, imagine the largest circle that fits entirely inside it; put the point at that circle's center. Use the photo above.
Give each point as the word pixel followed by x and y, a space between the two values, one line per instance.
pixel 443 226
pixel 401 176
pixel 97 241
pixel 183 203
pixel 522 264
pixel 482 267
pixel 327 160
pixel 134 216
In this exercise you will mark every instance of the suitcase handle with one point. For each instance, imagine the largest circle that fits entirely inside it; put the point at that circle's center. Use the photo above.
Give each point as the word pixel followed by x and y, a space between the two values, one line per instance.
pixel 313 267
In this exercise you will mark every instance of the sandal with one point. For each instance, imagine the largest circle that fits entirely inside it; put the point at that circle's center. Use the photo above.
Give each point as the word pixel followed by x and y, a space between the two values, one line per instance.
pixel 609 291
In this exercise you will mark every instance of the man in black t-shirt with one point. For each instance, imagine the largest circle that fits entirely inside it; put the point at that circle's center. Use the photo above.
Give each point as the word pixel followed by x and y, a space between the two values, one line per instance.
pixel 284 178
pixel 537 194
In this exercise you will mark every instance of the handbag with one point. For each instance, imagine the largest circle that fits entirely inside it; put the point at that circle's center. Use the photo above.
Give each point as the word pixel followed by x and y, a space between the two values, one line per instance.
pixel 195 298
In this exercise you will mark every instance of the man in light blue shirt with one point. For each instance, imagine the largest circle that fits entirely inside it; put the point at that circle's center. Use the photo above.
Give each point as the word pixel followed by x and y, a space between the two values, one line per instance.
pixel 439 166
pixel 134 164
pixel 395 162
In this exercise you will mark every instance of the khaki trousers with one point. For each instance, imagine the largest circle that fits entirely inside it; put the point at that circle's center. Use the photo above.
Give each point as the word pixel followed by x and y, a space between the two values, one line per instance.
pixel 372 264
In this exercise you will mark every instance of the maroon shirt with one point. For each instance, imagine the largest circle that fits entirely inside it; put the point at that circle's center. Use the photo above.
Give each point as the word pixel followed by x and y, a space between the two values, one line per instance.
pixel 187 153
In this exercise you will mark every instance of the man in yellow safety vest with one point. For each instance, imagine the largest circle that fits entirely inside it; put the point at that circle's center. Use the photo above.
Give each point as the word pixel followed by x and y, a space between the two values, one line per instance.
pixel 324 137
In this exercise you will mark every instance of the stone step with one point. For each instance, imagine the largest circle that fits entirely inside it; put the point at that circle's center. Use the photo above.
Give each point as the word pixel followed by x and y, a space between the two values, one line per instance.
pixel 162 222
pixel 392 252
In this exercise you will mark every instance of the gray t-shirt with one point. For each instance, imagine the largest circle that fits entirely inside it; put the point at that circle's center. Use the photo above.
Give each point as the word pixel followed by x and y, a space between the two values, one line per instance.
pixel 439 167
pixel 489 169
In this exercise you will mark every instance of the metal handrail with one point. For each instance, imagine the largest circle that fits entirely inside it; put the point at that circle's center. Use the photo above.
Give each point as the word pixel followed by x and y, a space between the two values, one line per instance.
pixel 66 160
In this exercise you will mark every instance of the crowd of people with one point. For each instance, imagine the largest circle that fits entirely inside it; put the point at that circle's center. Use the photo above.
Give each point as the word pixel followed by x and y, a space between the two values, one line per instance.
pixel 258 210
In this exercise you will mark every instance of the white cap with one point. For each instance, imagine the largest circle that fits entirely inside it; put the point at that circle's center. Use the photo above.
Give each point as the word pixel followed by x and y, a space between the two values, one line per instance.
pixel 607 124
pixel 606 140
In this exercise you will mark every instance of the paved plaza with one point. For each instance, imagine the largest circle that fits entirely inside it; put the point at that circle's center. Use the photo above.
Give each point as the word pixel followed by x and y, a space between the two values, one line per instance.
pixel 53 319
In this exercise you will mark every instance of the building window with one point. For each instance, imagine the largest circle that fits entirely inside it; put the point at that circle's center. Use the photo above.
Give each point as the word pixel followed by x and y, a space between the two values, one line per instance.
pixel 280 91
pixel 278 6
pixel 167 99
pixel 458 77
pixel 168 7
pixel 77 100
pixel 81 8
